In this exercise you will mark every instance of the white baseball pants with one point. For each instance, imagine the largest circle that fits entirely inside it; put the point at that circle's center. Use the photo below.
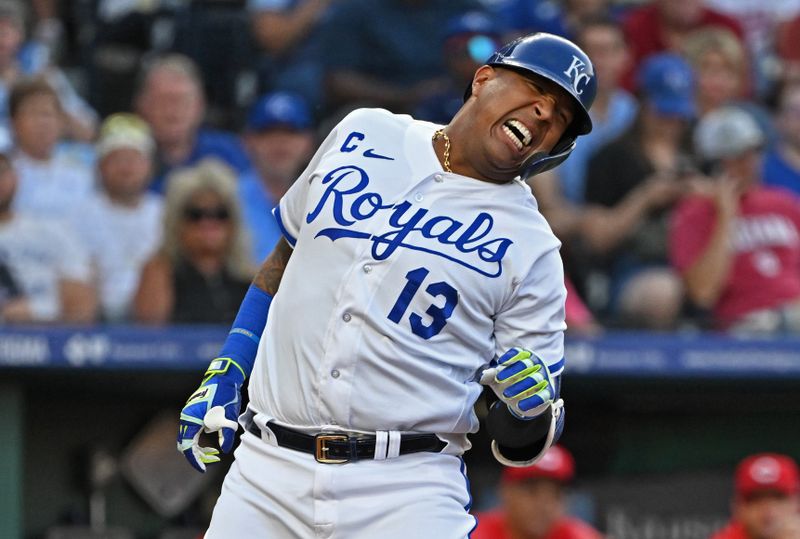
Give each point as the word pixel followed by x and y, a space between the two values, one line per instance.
pixel 272 492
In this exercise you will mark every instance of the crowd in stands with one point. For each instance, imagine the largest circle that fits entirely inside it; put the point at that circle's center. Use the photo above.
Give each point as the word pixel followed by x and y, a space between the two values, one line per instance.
pixel 144 144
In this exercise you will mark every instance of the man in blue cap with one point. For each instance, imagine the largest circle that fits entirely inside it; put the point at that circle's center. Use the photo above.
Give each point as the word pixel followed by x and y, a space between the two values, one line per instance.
pixel 279 140
pixel 631 185
pixel 469 39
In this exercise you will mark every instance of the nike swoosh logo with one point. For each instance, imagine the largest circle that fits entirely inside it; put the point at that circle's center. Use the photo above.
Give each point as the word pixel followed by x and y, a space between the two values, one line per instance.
pixel 371 153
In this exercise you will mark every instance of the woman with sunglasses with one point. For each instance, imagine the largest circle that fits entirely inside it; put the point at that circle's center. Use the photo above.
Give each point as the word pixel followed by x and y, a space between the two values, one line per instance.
pixel 203 261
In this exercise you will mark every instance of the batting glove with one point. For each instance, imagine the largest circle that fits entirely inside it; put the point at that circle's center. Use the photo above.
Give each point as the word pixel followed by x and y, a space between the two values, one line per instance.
pixel 523 382
pixel 214 407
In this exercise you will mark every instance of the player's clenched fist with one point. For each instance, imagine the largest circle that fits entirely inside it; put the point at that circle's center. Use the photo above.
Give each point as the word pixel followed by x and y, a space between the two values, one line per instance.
pixel 523 382
pixel 214 407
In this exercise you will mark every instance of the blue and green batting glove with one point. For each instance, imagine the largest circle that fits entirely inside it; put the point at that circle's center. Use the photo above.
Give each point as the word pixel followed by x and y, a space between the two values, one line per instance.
pixel 214 407
pixel 523 382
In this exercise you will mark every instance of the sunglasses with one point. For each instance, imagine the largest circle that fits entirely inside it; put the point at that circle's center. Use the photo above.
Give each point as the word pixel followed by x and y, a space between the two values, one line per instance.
pixel 196 214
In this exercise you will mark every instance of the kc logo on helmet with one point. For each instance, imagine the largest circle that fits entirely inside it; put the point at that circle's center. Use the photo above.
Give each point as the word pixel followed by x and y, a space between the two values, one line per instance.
pixel 576 73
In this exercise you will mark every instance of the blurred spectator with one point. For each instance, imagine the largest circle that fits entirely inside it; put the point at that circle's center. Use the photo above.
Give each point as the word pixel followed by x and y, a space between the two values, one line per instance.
pixel 766 501
pixel 720 64
pixel 47 28
pixel 662 26
pixel 788 46
pixel 203 267
pixel 760 21
pixel 533 503
pixel 470 38
pixel 737 245
pixel 227 62
pixel 289 33
pixel 170 99
pixel 782 161
pixel 614 109
pixel 52 181
pixel 47 270
pixel 719 61
pixel 19 60
pixel 118 36
pixel 381 53
pixel 121 223
pixel 280 141
pixel 631 185
pixel 557 17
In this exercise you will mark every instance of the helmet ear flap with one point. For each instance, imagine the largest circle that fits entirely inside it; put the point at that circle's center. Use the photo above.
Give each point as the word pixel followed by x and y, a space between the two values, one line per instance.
pixel 541 162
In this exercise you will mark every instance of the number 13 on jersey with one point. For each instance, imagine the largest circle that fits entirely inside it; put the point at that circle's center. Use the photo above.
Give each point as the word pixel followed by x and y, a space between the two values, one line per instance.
pixel 438 315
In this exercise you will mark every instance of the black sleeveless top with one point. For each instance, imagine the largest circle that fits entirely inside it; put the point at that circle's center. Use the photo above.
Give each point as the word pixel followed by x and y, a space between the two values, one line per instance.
pixel 203 299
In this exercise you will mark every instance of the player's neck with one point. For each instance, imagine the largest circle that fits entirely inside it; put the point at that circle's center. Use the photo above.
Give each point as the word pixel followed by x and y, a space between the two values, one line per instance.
pixel 455 161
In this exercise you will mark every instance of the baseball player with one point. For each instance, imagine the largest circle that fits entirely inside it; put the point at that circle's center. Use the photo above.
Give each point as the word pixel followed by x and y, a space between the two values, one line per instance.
pixel 541 486
pixel 766 501
pixel 415 267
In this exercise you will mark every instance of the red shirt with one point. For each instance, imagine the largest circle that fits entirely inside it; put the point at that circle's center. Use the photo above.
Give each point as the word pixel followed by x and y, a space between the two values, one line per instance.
pixel 492 525
pixel 577 314
pixel 645 34
pixel 733 530
pixel 765 271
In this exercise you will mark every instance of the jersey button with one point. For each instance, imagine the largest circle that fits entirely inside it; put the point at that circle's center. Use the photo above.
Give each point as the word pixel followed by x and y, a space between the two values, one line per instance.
pixel 367 268
pixel 334 373
pixel 418 197
pixel 347 317
pixel 438 178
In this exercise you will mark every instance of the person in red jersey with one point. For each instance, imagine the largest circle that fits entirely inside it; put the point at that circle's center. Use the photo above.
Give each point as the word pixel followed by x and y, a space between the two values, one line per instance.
pixel 737 242
pixel 766 503
pixel 533 503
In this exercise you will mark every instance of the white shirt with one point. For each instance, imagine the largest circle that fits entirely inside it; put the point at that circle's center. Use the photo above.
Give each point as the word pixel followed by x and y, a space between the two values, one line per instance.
pixel 404 283
pixel 40 253
pixel 54 187
pixel 120 239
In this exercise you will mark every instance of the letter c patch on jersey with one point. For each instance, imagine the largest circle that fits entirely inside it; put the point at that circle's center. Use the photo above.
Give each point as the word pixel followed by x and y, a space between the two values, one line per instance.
pixel 350 146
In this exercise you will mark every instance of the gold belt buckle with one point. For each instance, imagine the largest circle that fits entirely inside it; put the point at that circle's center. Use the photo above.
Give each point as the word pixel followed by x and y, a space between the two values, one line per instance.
pixel 321 453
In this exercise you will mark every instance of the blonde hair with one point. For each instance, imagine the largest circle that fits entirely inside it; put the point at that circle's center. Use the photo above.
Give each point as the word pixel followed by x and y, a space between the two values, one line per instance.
pixel 208 175
pixel 719 40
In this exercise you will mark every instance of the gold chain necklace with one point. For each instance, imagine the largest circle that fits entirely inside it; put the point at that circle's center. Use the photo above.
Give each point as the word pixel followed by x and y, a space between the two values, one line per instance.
pixel 441 134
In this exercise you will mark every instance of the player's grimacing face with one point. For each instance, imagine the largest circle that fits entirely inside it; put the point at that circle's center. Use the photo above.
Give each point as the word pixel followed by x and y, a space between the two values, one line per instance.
pixel 517 115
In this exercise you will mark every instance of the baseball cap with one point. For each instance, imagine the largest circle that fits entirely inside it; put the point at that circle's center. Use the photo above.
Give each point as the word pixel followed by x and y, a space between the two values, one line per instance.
pixel 279 109
pixel 124 130
pixel 471 22
pixel 767 471
pixel 667 83
pixel 476 31
pixel 726 132
pixel 556 464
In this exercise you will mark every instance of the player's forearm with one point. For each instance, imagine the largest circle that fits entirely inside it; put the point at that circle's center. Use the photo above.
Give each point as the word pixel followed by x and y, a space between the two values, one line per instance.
pixel 706 277
pixel 269 275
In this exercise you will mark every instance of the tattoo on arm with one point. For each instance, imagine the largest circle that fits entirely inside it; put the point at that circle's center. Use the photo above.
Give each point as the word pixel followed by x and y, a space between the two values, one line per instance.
pixel 269 275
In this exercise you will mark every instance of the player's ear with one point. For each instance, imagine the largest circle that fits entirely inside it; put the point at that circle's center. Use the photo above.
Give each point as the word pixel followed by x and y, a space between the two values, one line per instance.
pixel 483 75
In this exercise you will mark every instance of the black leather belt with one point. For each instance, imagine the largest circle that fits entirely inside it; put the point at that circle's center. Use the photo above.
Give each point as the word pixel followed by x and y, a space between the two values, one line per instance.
pixel 337 447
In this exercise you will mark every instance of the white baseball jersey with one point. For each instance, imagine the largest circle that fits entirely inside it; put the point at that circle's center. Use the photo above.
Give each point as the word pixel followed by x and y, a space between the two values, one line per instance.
pixel 404 283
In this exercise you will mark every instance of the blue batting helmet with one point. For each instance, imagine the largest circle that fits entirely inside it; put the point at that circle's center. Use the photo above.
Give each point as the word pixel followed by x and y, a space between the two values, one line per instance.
pixel 564 63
